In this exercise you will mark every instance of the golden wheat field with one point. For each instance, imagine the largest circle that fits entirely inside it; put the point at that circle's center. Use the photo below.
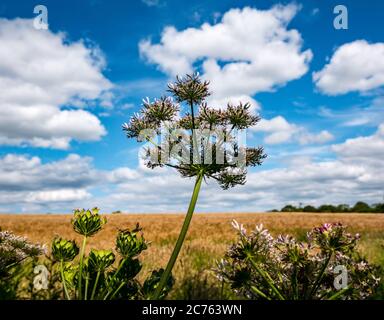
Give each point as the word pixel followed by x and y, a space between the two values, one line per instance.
pixel 208 236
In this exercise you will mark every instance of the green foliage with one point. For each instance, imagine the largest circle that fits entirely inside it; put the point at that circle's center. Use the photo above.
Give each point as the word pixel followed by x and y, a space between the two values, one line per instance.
pixel 15 253
pixel 94 276
pixel 307 209
pixel 359 207
pixel 152 282
pixel 289 208
pixel 261 267
pixel 201 285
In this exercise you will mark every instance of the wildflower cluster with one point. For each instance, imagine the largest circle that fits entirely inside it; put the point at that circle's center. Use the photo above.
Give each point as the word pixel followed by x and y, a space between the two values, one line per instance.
pixel 15 249
pixel 102 274
pixel 212 148
pixel 197 140
pixel 259 266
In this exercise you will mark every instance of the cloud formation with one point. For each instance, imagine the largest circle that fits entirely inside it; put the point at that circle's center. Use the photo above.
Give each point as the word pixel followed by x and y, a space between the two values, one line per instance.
pixel 355 173
pixel 246 52
pixel 279 130
pixel 44 80
pixel 355 66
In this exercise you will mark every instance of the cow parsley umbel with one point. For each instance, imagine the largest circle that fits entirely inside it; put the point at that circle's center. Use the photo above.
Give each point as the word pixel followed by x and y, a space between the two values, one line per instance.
pixel 14 250
pixel 201 142
pixel 102 274
pixel 259 266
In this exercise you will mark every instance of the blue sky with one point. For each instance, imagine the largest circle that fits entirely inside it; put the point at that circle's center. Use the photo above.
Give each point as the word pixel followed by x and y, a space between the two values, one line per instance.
pixel 67 90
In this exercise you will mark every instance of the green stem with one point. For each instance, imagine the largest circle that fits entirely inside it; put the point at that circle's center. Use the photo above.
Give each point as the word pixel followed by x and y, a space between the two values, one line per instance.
pixel 222 290
pixel 295 284
pixel 86 287
pixel 321 275
pixel 267 278
pixel 95 285
pixel 180 240
pixel 339 293
pixel 117 290
pixel 260 293
pixel 63 280
pixel 81 266
pixel 113 278
pixel 194 138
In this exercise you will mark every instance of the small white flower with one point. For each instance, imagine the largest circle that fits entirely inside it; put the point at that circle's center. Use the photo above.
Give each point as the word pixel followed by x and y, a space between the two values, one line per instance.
pixel 239 227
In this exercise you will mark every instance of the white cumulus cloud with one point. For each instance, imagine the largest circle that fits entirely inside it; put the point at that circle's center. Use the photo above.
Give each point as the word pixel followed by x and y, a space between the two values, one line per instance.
pixel 279 130
pixel 42 77
pixel 246 52
pixel 356 66
pixel 355 173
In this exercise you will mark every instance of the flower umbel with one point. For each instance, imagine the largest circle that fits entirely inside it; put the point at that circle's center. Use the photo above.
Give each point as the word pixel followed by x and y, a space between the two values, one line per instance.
pixel 87 222
pixel 189 89
pixel 64 250
pixel 130 243
pixel 100 260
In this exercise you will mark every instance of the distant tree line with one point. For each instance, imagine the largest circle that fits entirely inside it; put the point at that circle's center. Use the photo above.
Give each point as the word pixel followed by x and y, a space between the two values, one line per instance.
pixel 360 206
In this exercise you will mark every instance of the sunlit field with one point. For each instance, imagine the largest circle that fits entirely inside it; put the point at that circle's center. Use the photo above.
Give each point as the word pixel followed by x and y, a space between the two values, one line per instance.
pixel 207 239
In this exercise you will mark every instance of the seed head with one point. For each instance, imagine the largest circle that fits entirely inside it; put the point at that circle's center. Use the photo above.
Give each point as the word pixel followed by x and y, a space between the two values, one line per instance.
pixel 210 117
pixel 160 110
pixel 240 117
pixel 137 124
pixel 64 250
pixel 130 243
pixel 99 260
pixel 189 89
pixel 212 150
pixel 87 222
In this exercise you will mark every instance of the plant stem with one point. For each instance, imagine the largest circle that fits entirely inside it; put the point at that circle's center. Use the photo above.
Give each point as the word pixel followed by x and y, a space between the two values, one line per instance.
pixel 117 290
pixel 180 240
pixel 222 289
pixel 113 278
pixel 194 138
pixel 81 266
pixel 63 280
pixel 260 293
pixel 95 285
pixel 339 293
pixel 86 287
pixel 320 277
pixel 295 284
pixel 267 278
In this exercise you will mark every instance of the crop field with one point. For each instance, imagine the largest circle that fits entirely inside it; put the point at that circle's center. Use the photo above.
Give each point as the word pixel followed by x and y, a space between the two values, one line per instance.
pixel 207 239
